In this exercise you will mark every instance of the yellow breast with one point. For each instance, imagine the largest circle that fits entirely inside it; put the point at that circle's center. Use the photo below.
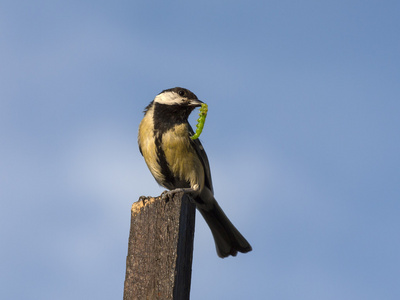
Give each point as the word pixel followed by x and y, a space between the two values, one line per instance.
pixel 181 157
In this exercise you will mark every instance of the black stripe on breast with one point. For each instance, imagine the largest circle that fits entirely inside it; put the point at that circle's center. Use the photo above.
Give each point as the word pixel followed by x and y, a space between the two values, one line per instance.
pixel 169 179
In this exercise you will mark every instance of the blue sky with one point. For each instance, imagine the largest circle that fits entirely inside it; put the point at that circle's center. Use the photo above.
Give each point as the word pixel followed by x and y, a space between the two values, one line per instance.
pixel 302 136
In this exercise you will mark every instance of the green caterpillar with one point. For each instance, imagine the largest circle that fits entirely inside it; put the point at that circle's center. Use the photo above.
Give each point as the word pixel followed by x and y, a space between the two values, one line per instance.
pixel 200 121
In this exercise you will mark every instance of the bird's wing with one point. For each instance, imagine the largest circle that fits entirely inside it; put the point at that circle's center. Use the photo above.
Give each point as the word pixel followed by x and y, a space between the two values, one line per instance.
pixel 201 153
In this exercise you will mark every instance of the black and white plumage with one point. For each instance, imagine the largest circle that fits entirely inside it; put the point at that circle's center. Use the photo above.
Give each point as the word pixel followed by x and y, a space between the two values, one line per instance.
pixel 179 163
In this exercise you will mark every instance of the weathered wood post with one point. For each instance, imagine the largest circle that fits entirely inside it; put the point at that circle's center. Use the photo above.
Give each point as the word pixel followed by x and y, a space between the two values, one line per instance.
pixel 160 249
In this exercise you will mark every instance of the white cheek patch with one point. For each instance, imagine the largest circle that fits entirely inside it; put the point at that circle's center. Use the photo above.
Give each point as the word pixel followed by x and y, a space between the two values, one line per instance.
pixel 169 98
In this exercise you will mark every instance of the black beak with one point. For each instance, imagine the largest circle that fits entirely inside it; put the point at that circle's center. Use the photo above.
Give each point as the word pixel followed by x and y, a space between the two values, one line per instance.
pixel 195 102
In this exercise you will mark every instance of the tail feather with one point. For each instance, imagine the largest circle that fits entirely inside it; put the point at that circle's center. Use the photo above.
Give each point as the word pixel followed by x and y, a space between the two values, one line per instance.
pixel 228 240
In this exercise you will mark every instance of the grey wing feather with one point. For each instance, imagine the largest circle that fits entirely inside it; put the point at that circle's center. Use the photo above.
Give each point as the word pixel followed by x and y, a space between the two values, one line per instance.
pixel 204 159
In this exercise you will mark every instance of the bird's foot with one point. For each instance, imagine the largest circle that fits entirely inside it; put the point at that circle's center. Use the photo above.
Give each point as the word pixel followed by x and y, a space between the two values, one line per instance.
pixel 171 194
pixel 143 198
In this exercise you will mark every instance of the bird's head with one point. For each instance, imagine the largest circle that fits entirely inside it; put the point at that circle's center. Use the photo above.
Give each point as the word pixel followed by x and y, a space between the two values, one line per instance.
pixel 179 97
pixel 172 106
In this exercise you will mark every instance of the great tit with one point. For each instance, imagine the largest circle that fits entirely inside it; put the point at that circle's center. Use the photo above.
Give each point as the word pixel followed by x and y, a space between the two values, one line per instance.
pixel 179 163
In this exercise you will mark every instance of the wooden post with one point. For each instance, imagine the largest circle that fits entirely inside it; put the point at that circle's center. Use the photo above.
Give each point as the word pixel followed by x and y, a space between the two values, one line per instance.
pixel 160 249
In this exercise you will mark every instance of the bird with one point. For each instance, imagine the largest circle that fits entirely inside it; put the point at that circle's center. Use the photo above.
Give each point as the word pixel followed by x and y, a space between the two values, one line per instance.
pixel 180 164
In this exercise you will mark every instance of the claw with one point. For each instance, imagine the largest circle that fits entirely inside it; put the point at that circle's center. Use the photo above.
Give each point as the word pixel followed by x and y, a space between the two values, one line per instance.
pixel 165 195
pixel 143 198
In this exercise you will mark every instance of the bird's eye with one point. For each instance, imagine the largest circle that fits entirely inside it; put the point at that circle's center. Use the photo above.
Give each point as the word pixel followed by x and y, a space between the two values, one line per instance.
pixel 181 93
